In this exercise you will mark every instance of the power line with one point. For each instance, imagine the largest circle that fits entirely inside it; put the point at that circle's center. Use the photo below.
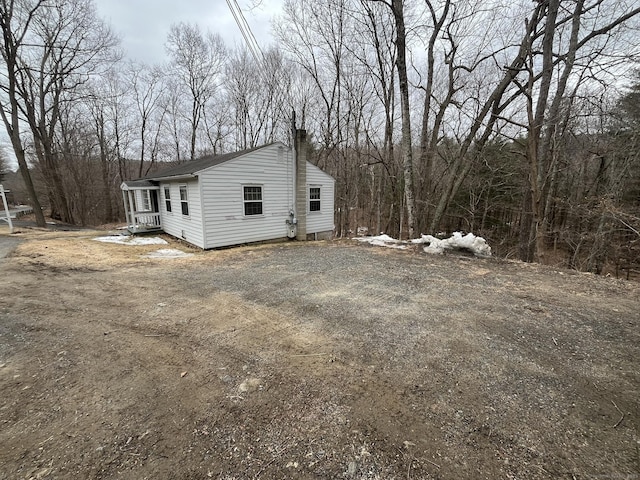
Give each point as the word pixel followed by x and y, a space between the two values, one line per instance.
pixel 245 30
pixel 254 49
pixel 261 62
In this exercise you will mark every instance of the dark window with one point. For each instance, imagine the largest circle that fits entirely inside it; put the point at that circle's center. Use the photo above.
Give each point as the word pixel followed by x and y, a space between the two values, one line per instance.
pixel 253 200
pixel 314 199
pixel 167 198
pixel 184 201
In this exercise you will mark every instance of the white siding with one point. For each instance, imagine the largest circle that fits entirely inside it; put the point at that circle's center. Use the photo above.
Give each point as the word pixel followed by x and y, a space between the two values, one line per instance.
pixel 321 221
pixel 222 197
pixel 174 223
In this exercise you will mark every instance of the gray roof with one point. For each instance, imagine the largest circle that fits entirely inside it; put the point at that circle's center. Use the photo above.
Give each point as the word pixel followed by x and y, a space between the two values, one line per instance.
pixel 194 166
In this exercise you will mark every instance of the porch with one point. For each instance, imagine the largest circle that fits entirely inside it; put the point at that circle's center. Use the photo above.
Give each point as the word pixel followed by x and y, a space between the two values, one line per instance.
pixel 141 206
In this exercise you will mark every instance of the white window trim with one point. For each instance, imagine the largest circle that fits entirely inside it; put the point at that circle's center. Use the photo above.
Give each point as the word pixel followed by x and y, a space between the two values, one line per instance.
pixel 314 212
pixel 186 190
pixel 165 189
pixel 261 215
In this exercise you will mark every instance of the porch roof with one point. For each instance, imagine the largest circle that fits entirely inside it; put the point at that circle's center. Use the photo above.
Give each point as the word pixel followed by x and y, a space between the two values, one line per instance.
pixel 142 184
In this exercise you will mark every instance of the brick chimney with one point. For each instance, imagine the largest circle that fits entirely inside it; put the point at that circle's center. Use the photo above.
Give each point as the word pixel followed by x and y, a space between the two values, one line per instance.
pixel 301 183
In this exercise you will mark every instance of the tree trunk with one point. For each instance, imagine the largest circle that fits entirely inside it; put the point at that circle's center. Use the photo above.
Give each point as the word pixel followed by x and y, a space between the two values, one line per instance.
pixel 491 109
pixel 10 116
pixel 48 161
pixel 12 127
pixel 536 156
pixel 429 133
pixel 106 190
pixel 28 181
pixel 403 83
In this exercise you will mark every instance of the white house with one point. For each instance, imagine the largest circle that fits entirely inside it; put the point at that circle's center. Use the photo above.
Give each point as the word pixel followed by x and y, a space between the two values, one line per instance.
pixel 259 194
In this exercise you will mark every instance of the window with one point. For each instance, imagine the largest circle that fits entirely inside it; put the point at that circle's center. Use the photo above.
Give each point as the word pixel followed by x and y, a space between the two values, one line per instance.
pixel 314 199
pixel 167 198
pixel 184 201
pixel 146 201
pixel 252 200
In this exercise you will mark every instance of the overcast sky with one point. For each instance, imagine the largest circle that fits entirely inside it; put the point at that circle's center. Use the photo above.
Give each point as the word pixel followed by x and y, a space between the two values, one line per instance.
pixel 142 25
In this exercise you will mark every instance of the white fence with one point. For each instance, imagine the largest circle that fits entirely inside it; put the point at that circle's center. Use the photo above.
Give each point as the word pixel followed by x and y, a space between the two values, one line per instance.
pixel 146 220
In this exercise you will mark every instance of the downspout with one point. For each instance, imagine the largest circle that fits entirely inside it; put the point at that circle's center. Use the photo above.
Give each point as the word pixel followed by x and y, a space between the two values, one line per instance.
pixel 203 214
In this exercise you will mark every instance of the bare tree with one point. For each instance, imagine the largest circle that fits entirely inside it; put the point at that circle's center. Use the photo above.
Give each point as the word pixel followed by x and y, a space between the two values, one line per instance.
pixel 397 7
pixel 109 97
pixel 175 120
pixel 16 18
pixel 198 60
pixel 99 112
pixel 588 33
pixel 257 91
pixel 478 125
pixel 63 44
pixel 315 35
pixel 148 88
pixel 376 53
pixel 430 133
pixel 109 112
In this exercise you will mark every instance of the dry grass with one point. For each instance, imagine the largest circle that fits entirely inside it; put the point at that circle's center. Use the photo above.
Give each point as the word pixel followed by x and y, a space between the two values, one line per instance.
pixel 80 249
pixel 73 249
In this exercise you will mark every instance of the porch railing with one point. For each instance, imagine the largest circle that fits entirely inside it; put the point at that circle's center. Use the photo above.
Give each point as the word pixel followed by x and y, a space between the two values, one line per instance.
pixel 146 220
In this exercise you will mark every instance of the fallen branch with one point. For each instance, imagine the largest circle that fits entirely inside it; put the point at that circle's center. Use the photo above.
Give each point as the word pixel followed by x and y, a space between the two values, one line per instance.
pixel 621 418
pixel 432 463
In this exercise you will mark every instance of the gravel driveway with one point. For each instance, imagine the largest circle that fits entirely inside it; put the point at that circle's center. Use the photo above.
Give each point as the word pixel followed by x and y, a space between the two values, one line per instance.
pixel 312 361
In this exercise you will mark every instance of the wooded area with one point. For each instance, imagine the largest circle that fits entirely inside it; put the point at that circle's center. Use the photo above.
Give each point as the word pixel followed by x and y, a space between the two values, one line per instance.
pixel 517 122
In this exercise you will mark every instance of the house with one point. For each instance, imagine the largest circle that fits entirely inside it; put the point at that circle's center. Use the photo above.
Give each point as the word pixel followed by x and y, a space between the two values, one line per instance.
pixel 264 193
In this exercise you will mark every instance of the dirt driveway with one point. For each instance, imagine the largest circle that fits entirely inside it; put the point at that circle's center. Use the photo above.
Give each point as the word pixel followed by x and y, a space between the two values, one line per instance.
pixel 311 361
pixel 7 245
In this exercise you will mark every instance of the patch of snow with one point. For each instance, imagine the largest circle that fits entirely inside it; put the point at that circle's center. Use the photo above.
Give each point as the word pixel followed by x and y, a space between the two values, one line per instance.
pixel 477 245
pixel 131 240
pixel 383 240
pixel 378 238
pixel 380 243
pixel 168 253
